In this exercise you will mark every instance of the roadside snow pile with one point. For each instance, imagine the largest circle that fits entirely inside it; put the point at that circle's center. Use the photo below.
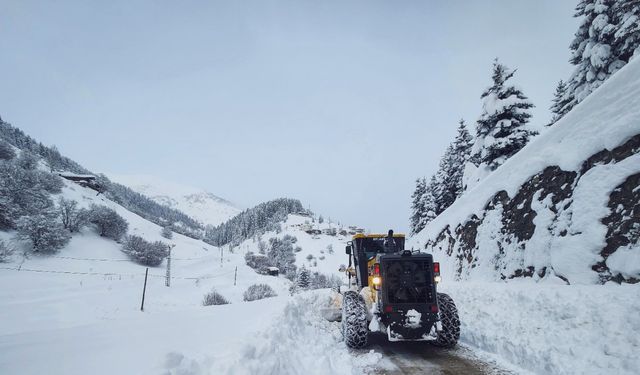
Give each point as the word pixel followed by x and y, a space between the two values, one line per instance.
pixel 553 329
pixel 302 342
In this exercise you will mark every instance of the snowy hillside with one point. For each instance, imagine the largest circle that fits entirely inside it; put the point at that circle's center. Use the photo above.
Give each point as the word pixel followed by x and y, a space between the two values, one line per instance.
pixel 204 206
pixel 565 206
pixel 86 299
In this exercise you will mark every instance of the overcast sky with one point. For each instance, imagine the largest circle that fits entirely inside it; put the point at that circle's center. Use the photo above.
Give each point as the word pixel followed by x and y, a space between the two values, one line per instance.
pixel 342 104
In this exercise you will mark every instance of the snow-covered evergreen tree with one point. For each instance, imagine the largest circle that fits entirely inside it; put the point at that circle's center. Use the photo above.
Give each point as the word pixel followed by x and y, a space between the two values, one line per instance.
pixel 502 128
pixel 444 191
pixel 429 204
pixel 627 34
pixel 417 205
pixel 560 100
pixel 449 183
pixel 303 278
pixel 593 50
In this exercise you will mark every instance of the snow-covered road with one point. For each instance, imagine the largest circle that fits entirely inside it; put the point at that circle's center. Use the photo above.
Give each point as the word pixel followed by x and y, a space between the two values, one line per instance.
pixel 421 357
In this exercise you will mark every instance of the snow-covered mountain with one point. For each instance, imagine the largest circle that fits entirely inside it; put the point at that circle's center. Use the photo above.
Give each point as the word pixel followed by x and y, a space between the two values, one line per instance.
pixel 197 203
pixel 564 208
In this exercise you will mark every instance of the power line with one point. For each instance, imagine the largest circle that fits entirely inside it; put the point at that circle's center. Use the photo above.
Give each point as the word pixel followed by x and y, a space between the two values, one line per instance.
pixel 111 273
pixel 116 260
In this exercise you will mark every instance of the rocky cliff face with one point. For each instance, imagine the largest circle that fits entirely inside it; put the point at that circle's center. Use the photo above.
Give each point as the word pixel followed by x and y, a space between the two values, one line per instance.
pixel 529 234
pixel 565 209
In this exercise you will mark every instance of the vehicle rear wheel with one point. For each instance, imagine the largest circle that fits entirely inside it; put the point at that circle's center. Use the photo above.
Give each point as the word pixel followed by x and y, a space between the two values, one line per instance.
pixel 450 333
pixel 354 320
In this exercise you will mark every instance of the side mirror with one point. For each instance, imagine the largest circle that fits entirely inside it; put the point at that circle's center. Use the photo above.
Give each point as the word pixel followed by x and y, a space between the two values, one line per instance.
pixel 348 249
pixel 342 268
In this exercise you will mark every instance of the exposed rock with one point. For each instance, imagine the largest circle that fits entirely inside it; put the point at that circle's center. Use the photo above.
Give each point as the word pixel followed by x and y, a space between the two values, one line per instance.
pixel 555 187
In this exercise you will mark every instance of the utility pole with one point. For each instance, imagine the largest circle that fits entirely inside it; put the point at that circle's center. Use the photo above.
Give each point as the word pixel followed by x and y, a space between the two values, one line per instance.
pixel 168 277
pixel 144 289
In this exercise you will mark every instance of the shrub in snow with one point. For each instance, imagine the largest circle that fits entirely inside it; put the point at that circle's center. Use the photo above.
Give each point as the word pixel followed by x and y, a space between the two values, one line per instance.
pixel 44 231
pixel 214 298
pixel 50 182
pixel 27 160
pixel 167 232
pixel 72 217
pixel 147 253
pixel 258 291
pixel 21 194
pixel 321 257
pixel 310 257
pixel 108 222
pixel 330 249
pixel 6 151
pixel 258 262
pixel 5 252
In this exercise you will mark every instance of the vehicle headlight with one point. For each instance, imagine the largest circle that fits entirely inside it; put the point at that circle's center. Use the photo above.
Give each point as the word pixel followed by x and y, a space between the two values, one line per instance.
pixel 437 279
pixel 377 280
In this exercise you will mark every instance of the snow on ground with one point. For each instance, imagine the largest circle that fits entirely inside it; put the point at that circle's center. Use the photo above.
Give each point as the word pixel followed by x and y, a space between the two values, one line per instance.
pixel 78 311
pixel 324 261
pixel 552 329
pixel 301 341
pixel 197 203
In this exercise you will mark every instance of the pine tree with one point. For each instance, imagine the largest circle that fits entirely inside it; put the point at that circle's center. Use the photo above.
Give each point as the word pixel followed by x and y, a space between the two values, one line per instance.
pixel 428 202
pixel 560 101
pixel 592 50
pixel 417 205
pixel 303 278
pixel 444 192
pixel 501 130
pixel 461 155
pixel 627 34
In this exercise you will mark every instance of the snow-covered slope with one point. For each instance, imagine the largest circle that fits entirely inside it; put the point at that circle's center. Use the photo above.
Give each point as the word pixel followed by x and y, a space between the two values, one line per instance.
pixel 566 205
pixel 78 311
pixel 197 203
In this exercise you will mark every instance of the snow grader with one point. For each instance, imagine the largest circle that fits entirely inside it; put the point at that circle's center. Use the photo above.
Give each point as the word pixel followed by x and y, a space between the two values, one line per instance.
pixel 393 291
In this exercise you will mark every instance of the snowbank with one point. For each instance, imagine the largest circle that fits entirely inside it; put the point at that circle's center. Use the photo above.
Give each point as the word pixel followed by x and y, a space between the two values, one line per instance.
pixel 553 329
pixel 301 341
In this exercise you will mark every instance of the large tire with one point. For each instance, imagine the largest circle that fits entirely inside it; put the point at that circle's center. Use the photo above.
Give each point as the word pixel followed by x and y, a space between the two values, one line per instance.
pixel 450 333
pixel 354 320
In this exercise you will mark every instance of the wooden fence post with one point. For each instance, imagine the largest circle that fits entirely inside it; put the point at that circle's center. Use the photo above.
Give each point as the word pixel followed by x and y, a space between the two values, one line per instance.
pixel 144 289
